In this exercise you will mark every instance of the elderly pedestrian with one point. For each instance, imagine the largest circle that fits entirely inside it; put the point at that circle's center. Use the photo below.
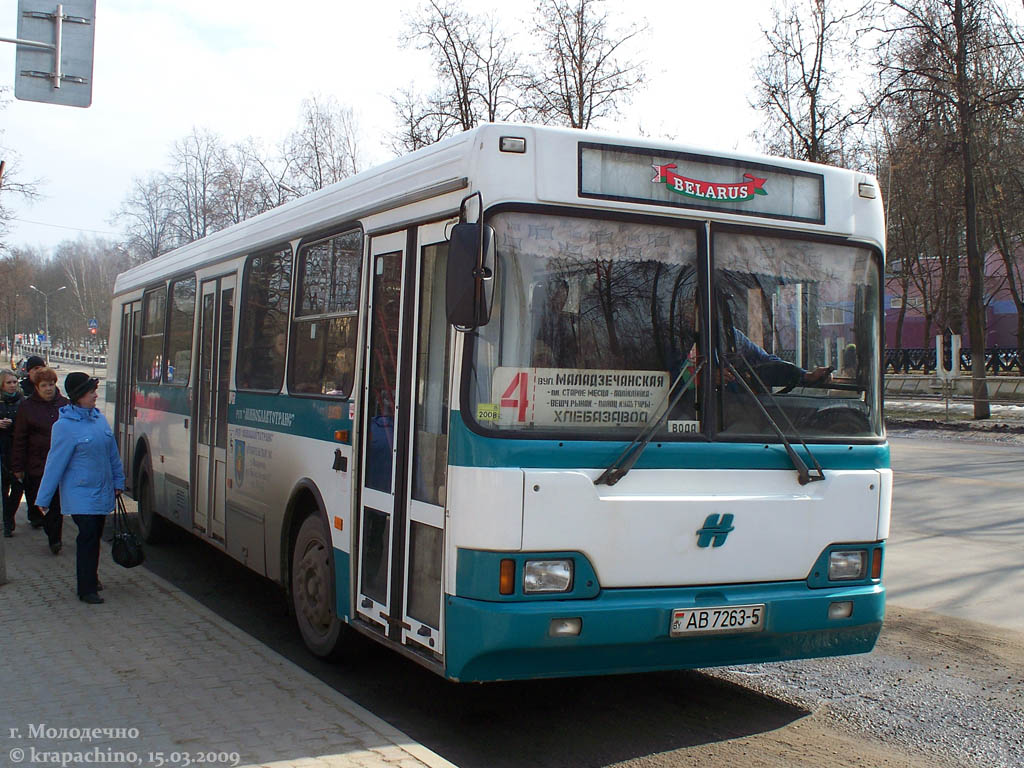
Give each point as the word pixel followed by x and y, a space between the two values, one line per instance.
pixel 84 469
pixel 36 417
pixel 10 399
pixel 31 363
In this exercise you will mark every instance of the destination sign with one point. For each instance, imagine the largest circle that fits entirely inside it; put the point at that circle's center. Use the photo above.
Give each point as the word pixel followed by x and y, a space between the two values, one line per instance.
pixel 573 397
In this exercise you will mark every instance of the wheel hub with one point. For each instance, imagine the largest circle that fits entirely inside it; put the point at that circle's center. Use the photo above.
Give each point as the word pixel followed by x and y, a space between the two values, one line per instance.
pixel 312 593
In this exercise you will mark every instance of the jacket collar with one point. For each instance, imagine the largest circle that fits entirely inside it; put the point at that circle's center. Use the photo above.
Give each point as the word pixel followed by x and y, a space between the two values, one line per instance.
pixel 76 412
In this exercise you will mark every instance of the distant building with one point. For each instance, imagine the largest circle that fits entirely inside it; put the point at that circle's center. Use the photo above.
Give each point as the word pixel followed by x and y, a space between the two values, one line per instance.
pixel 1000 313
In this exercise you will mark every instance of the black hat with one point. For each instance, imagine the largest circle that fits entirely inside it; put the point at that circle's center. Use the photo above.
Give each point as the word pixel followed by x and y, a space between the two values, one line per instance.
pixel 34 361
pixel 77 384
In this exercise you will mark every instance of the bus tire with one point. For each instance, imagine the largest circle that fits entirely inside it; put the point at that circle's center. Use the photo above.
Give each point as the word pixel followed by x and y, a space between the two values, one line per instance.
pixel 312 589
pixel 152 527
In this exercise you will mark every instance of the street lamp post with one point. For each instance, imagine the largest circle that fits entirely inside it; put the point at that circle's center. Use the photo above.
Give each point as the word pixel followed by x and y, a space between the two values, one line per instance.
pixel 46 314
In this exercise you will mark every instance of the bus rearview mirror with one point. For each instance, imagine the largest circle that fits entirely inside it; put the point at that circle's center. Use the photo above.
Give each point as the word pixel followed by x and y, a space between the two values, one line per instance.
pixel 469 286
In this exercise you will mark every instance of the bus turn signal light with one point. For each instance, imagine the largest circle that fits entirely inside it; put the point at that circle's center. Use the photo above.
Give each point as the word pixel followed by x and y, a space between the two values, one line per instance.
pixel 507 580
pixel 876 563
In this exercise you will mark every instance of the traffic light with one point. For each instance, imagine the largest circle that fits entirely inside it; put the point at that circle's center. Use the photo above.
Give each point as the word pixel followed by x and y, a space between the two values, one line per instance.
pixel 92 331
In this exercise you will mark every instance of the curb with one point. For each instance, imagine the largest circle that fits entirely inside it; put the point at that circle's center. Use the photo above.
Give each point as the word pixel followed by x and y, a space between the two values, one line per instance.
pixel 401 740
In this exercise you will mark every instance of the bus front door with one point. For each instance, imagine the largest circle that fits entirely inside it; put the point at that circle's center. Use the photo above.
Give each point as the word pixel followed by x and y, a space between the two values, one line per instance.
pixel 127 375
pixel 405 439
pixel 382 415
pixel 209 468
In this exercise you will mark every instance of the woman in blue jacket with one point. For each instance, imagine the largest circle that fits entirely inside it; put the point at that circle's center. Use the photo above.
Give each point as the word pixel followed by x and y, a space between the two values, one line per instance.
pixel 84 463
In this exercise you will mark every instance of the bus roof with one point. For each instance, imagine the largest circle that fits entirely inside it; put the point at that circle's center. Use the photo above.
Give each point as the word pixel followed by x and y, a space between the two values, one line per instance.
pixel 451 165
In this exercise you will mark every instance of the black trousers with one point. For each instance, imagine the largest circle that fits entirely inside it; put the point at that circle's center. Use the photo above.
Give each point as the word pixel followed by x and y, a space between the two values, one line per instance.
pixel 12 491
pixel 87 554
pixel 53 522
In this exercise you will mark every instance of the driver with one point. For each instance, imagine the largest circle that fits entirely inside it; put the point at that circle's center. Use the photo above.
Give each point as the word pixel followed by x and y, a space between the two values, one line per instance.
pixel 774 371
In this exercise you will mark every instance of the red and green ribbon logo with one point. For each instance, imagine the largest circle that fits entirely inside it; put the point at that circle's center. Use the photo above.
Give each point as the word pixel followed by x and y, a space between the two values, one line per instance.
pixel 737 192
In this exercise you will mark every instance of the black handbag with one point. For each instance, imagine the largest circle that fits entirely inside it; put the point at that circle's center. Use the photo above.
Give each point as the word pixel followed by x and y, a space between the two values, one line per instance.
pixel 126 547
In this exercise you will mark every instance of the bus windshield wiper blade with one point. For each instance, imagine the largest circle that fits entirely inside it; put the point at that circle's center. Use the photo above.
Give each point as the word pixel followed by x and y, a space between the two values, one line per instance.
pixel 631 455
pixel 804 475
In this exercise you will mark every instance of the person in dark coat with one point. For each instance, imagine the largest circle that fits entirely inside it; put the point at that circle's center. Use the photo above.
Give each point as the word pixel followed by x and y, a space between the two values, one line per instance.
pixel 10 399
pixel 83 464
pixel 33 362
pixel 32 426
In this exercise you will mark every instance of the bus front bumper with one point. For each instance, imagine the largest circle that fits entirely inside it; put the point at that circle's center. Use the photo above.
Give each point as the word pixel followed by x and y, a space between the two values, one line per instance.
pixel 627 630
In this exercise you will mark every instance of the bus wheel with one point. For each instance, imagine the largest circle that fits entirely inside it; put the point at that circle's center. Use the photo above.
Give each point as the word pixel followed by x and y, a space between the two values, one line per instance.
pixel 152 527
pixel 311 590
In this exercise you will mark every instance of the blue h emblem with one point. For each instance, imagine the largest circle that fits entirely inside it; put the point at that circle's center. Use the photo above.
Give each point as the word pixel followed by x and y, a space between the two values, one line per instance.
pixel 714 531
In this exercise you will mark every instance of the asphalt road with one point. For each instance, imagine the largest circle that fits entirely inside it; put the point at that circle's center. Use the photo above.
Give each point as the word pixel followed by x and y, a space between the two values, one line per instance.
pixel 956 543
pixel 917 700
pixel 938 690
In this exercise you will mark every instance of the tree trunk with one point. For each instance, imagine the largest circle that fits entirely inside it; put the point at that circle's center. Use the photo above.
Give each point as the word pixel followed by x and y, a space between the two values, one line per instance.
pixel 975 261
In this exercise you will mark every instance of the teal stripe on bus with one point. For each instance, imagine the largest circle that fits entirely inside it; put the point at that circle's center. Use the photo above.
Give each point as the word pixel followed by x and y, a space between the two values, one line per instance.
pixel 169 399
pixel 469 449
pixel 302 416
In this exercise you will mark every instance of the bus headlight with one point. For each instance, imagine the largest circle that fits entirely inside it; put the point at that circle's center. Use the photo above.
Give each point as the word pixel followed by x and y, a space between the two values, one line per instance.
pixel 846 565
pixel 547 576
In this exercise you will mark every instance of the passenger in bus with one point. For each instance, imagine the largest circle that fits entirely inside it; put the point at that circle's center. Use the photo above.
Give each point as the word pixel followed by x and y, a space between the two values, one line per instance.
pixel 555 341
pixel 10 399
pixel 84 469
pixel 848 369
pixel 32 426
pixel 265 365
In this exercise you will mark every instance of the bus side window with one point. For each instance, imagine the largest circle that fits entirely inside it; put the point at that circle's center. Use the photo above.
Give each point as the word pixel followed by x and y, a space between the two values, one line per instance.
pixel 179 334
pixel 324 329
pixel 151 360
pixel 263 337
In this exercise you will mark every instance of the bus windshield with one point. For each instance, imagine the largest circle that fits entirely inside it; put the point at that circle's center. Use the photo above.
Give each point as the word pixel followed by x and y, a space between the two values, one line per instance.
pixel 800 323
pixel 593 321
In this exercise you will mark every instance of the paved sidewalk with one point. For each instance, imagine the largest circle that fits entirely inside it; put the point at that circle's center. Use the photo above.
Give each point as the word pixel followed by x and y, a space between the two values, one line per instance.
pixel 154 660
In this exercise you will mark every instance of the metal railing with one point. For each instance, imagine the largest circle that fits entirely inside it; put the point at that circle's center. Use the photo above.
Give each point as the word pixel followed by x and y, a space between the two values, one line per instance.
pixel 1005 360
pixel 61 355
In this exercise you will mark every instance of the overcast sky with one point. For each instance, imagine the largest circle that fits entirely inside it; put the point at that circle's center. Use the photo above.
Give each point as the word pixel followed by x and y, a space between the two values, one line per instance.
pixel 242 68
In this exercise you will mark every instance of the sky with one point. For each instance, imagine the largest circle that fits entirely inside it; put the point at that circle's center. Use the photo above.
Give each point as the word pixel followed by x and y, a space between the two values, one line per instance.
pixel 241 68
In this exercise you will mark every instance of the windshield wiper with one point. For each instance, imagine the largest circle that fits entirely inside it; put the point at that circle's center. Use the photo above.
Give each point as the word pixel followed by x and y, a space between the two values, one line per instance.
pixel 631 455
pixel 804 475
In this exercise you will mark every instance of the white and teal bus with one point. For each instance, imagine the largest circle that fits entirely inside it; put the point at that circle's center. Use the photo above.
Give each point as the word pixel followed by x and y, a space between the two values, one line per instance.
pixel 531 402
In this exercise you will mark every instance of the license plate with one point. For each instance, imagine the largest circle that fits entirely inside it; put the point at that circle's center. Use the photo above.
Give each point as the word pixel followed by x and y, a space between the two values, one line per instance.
pixel 732 618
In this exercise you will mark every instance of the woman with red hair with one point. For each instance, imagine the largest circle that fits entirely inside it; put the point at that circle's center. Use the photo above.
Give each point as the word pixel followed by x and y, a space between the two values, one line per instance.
pixel 32 426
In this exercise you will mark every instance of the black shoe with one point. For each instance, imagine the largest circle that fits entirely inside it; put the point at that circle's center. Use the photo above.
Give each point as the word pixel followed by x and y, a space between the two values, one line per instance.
pixel 92 598
pixel 8 534
pixel 36 523
pixel 55 547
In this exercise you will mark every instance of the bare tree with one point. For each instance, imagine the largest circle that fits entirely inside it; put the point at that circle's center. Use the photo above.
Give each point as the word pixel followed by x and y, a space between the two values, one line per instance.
pixel 147 216
pixel 193 183
pixel 325 148
pixel 581 76
pixel 12 184
pixel 965 56
pixel 421 122
pixel 476 69
pixel 799 84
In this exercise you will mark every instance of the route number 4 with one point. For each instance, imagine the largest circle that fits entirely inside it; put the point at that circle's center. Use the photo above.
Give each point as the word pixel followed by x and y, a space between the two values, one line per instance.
pixel 510 399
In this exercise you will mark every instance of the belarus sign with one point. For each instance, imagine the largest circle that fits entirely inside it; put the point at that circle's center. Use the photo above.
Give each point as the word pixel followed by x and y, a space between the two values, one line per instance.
pixel 704 182
pixel 708 190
